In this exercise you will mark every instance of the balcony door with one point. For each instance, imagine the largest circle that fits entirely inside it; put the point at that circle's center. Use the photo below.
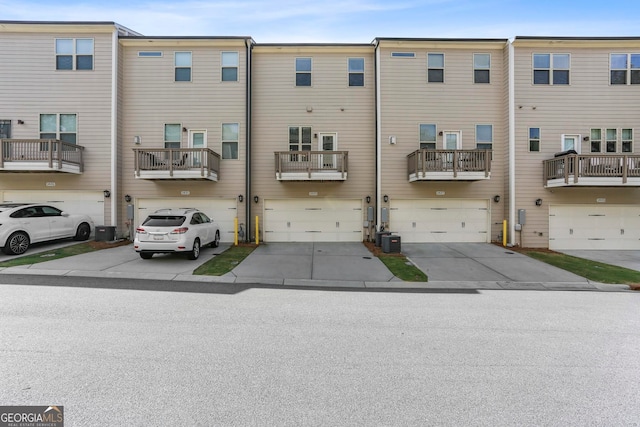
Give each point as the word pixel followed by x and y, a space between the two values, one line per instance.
pixel 197 139
pixel 328 142
pixel 452 140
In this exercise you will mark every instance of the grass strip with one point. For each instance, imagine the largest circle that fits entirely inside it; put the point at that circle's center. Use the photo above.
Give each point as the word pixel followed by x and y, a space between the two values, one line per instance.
pixel 225 262
pixel 67 251
pixel 403 269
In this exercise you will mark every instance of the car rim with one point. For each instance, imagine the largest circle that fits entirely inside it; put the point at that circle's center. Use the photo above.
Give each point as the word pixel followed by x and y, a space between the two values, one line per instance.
pixel 196 249
pixel 217 239
pixel 19 244
pixel 84 231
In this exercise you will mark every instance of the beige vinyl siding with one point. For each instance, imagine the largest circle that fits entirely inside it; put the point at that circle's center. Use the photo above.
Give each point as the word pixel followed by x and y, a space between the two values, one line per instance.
pixel 588 102
pixel 152 99
pixel 31 86
pixel 336 108
pixel 458 104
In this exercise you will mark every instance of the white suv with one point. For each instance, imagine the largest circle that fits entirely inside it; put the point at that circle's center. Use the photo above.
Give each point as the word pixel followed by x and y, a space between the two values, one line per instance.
pixel 183 230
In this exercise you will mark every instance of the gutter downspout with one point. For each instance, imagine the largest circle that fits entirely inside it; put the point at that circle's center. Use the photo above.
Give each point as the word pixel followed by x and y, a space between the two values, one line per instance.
pixel 512 148
pixel 114 128
pixel 247 198
pixel 378 138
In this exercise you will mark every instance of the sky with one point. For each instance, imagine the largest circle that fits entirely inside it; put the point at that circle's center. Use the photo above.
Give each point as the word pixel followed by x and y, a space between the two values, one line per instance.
pixel 343 21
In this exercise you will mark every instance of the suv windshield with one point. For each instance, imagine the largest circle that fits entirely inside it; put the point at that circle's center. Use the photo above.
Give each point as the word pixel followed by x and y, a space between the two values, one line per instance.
pixel 164 221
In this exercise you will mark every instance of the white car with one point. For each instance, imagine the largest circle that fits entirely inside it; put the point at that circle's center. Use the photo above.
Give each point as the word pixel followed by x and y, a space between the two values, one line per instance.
pixel 183 230
pixel 22 224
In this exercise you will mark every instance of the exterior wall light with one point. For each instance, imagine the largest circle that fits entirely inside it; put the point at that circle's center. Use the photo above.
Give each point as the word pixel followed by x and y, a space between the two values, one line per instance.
pixel 127 198
pixel 368 199
pixel 385 198
pixel 496 198
pixel 538 202
pixel 106 193
pixel 256 198
pixel 240 198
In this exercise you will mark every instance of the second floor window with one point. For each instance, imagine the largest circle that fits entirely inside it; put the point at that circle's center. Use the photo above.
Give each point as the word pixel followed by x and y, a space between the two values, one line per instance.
pixel 435 67
pixel 596 140
pixel 615 140
pixel 300 138
pixel 230 137
pixel 74 54
pixel 63 127
pixel 356 71
pixel 428 137
pixel 625 69
pixel 484 137
pixel 229 66
pixel 182 66
pixel 172 135
pixel 481 67
pixel 551 69
pixel 303 71
pixel 534 139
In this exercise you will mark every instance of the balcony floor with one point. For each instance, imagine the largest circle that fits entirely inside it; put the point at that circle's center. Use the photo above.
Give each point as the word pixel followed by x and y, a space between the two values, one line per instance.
pixel 449 176
pixel 40 167
pixel 177 175
pixel 314 176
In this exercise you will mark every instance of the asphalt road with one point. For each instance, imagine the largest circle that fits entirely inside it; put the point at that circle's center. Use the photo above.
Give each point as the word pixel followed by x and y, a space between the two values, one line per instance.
pixel 116 353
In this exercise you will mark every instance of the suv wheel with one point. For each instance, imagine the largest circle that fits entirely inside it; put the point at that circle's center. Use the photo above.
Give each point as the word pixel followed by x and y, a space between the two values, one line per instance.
pixel 146 255
pixel 195 252
pixel 16 244
pixel 216 240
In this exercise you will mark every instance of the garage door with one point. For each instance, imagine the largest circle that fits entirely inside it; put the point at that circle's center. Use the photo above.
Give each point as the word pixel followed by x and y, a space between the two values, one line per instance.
pixel 440 220
pixel 223 211
pixel 313 220
pixel 594 227
pixel 75 202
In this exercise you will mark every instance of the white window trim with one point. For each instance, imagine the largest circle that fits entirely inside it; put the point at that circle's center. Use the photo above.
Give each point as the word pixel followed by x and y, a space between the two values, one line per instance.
pixel 627 70
pixel 578 144
pixel 420 142
pixel 444 59
pixel 295 69
pixel 404 55
pixel 175 67
pixel 237 66
pixel 150 54
pixel 58 130
pixel 164 134
pixel 222 141
pixel 475 127
pixel 473 77
pixel 529 139
pixel 444 139
pixel 74 55
pixel 550 69
pixel 364 67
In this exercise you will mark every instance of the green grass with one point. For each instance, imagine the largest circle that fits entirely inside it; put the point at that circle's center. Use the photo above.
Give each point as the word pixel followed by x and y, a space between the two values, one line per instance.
pixel 225 262
pixel 80 248
pixel 403 269
pixel 592 270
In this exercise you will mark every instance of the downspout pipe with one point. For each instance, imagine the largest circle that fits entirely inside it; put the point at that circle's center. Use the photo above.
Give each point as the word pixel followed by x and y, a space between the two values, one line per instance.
pixel 114 127
pixel 247 192
pixel 378 137
pixel 512 147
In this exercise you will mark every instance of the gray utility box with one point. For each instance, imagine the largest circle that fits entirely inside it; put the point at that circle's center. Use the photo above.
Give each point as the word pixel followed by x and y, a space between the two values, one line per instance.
pixel 391 244
pixel 105 233
pixel 379 236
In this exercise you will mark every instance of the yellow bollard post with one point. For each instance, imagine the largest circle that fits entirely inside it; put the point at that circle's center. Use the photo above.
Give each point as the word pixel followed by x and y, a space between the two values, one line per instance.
pixel 257 231
pixel 235 231
pixel 504 233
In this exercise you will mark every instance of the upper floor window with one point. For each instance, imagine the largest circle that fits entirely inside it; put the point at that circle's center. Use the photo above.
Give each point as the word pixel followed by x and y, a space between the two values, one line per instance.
pixel 63 127
pixel 150 54
pixel 551 69
pixel 182 62
pixel 74 54
pixel 625 68
pixel 5 129
pixel 534 139
pixel 356 71
pixel 627 140
pixel 596 140
pixel 435 67
pixel 612 140
pixel 303 71
pixel 428 137
pixel 172 135
pixel 230 66
pixel 615 140
pixel 300 138
pixel 484 137
pixel 403 54
pixel 481 67
pixel 230 137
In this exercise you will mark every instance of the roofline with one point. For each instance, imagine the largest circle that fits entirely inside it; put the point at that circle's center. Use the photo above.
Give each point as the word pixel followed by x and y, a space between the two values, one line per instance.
pixel 186 37
pixel 604 38
pixel 73 23
pixel 455 40
pixel 313 45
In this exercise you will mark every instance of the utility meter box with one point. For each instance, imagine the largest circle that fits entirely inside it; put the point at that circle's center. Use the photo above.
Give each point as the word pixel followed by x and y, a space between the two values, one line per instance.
pixel 522 216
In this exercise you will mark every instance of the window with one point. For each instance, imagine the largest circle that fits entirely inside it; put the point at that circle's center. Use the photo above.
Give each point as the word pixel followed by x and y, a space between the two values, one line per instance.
pixel 612 140
pixel 427 137
pixel 303 71
pixel 63 127
pixel 230 133
pixel 484 137
pixel 481 67
pixel 150 54
pixel 551 69
pixel 172 135
pixel 300 138
pixel 596 140
pixel 182 66
pixel 230 66
pixel 356 71
pixel 74 54
pixel 5 129
pixel 534 139
pixel 403 54
pixel 627 140
pixel 625 68
pixel 571 142
pixel 435 67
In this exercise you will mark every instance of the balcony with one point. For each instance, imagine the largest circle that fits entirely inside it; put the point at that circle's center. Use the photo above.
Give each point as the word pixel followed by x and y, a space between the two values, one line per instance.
pixel 311 165
pixel 40 155
pixel 592 170
pixel 177 164
pixel 449 165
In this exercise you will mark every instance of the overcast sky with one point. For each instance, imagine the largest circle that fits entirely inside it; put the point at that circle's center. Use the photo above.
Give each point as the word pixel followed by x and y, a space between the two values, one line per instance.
pixel 343 21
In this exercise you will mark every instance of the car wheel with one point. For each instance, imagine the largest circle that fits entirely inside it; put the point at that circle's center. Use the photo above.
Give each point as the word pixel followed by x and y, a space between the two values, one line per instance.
pixel 16 244
pixel 216 240
pixel 83 232
pixel 146 255
pixel 195 253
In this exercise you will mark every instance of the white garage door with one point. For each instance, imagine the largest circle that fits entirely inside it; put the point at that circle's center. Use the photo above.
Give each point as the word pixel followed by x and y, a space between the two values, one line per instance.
pixel 313 220
pixel 594 227
pixel 74 202
pixel 440 220
pixel 223 211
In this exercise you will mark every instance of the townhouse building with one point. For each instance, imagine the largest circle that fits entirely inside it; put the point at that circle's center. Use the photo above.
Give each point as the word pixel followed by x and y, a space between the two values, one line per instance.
pixel 438 140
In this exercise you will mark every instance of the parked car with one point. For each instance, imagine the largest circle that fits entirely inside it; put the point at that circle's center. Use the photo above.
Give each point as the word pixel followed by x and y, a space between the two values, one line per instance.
pixel 176 231
pixel 22 224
